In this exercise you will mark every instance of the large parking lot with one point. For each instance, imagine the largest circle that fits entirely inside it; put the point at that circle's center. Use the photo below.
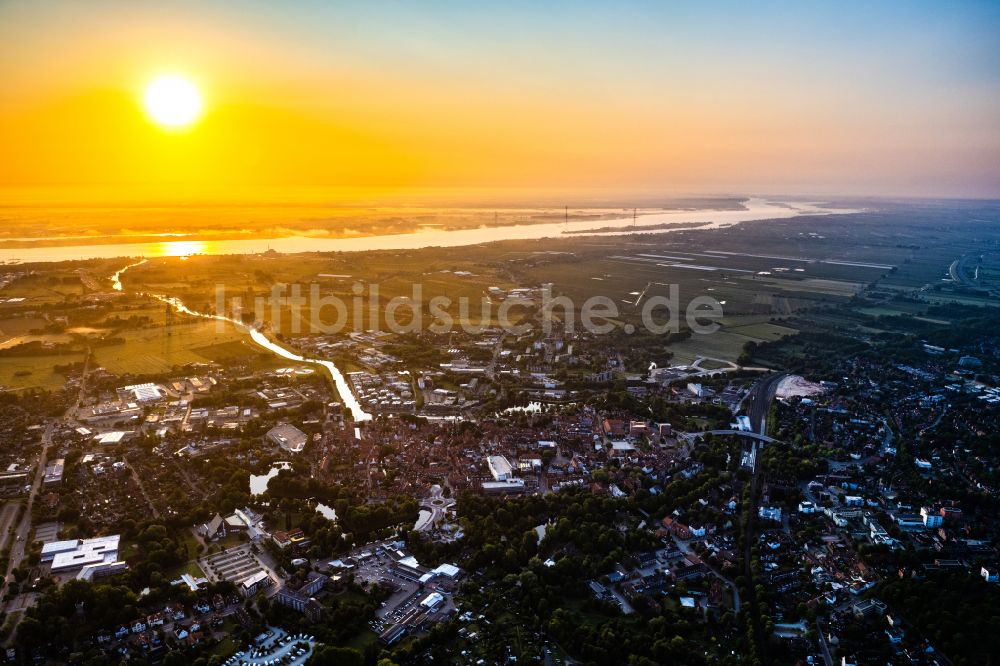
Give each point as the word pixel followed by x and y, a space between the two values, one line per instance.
pixel 275 647
pixel 375 566
pixel 378 569
pixel 234 564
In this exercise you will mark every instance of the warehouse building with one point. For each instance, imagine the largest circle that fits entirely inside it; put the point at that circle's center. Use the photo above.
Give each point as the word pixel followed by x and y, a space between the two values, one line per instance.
pixel 288 437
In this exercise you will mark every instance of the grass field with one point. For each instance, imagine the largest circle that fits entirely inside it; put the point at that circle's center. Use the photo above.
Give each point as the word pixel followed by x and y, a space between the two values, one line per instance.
pixel 752 288
pixel 52 287
pixel 393 274
pixel 758 271
pixel 225 542
pixel 157 350
pixel 880 311
pixel 17 326
pixel 762 331
pixel 363 641
pixel 191 567
pixel 149 350
pixel 224 648
pixel 225 351
pixel 48 338
pixel 720 344
pixel 24 372
pixel 728 342
pixel 816 286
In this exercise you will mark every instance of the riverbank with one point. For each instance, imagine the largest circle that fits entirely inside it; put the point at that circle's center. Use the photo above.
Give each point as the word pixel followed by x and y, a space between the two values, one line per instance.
pixel 428 236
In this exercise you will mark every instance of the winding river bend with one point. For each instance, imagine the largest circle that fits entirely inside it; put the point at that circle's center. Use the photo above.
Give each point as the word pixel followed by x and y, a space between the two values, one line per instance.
pixel 261 340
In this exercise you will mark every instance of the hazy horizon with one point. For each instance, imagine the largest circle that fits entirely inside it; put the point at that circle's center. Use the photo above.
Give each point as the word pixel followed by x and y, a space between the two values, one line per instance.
pixel 78 196
pixel 568 100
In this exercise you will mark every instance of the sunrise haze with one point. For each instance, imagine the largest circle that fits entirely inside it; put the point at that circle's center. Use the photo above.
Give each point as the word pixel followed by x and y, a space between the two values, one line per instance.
pixel 817 98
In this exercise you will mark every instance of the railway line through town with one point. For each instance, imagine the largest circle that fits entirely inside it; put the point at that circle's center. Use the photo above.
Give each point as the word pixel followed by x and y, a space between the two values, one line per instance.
pixel 758 404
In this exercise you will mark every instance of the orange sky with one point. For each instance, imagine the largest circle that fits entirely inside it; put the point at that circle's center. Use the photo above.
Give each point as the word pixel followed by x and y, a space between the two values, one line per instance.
pixel 663 99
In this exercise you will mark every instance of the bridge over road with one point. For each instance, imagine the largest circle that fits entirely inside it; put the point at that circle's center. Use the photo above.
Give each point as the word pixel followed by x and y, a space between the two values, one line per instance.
pixel 744 433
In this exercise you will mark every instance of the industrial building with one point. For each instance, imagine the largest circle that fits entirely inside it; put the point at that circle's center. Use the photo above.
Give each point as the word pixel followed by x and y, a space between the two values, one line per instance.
pixel 141 393
pixel 288 437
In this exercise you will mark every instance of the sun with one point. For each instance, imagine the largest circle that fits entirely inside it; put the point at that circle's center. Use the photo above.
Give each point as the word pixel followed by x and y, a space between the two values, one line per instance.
pixel 172 101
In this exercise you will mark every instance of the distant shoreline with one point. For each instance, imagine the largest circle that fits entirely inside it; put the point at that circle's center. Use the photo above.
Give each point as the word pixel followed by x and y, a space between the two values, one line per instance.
pixel 130 225
pixel 413 237
pixel 641 228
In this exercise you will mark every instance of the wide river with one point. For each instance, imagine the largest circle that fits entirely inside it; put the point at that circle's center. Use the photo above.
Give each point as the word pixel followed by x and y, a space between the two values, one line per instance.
pixel 756 209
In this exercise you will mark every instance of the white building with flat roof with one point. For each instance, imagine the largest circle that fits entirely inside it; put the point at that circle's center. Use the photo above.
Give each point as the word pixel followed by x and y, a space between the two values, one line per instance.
pixel 432 600
pixel 78 553
pixel 500 468
pixel 50 549
pixel 54 472
pixel 447 570
pixel 510 486
pixel 148 392
pixel 111 438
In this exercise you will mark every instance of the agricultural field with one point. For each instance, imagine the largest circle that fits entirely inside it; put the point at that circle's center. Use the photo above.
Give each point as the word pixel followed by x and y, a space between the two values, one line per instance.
pixel 728 342
pixel 762 331
pixel 721 344
pixel 27 372
pixel 388 274
pixel 868 273
pixel 742 285
pixel 39 289
pixel 15 327
pixel 159 349
pixel 48 340
pixel 933 298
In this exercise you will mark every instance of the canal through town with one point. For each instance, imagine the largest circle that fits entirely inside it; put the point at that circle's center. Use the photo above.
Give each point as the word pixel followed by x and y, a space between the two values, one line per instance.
pixel 260 339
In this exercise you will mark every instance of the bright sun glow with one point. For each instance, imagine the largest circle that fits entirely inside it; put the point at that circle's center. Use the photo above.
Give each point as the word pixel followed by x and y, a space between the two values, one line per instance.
pixel 172 101
pixel 182 249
